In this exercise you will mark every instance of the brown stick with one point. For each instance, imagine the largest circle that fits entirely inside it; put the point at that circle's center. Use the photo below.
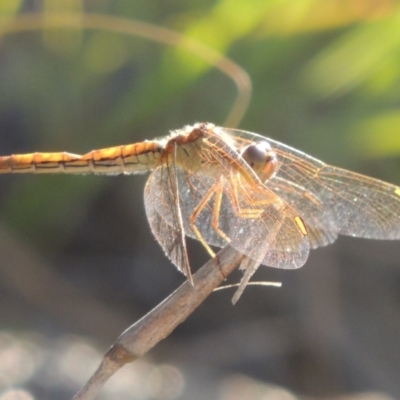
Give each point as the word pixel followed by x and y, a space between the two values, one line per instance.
pixel 142 336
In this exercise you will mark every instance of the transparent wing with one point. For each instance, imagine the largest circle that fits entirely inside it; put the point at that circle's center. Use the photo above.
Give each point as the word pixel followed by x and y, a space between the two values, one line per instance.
pixel 332 200
pixel 320 220
pixel 257 222
pixel 163 219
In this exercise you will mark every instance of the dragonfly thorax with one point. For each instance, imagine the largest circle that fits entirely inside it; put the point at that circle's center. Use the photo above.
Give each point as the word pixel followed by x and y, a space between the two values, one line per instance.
pixel 262 159
pixel 185 154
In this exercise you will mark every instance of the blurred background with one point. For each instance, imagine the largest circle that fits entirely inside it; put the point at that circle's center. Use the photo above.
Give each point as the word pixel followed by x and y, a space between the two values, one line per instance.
pixel 78 261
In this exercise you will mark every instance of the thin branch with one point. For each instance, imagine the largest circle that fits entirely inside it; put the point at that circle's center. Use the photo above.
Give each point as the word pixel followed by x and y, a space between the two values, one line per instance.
pixel 237 74
pixel 142 336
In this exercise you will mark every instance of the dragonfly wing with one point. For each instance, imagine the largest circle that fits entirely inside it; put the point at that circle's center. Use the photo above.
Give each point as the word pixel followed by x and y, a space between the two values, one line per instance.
pixel 159 198
pixel 320 220
pixel 276 237
pixel 192 189
pixel 352 204
pixel 261 225
pixel 365 207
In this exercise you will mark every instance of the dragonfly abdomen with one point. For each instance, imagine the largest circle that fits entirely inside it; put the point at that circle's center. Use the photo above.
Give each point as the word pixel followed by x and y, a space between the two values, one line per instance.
pixel 37 162
pixel 138 157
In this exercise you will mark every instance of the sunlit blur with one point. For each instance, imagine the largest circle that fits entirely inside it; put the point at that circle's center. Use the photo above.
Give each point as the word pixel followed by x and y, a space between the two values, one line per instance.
pixel 239 387
pixel 15 394
pixel 165 382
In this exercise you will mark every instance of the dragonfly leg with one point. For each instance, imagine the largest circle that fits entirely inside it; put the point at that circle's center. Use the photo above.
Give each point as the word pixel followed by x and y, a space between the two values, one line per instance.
pixel 217 208
pixel 217 189
pixel 264 202
pixel 243 212
pixel 195 215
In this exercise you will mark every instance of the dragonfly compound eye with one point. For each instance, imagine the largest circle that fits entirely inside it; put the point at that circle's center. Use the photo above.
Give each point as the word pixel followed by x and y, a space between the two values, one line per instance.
pixel 262 159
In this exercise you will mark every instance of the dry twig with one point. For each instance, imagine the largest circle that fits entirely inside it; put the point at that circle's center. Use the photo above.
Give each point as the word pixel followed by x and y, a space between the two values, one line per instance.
pixel 139 338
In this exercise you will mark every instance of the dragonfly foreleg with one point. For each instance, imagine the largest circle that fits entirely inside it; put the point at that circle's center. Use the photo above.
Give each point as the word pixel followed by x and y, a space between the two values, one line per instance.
pixel 216 189
pixel 238 209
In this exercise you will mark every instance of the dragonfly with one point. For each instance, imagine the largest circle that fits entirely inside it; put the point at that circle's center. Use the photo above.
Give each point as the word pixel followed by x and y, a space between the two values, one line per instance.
pixel 270 202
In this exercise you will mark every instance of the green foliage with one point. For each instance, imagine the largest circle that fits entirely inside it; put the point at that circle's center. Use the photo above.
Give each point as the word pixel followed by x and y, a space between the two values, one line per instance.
pixel 9 7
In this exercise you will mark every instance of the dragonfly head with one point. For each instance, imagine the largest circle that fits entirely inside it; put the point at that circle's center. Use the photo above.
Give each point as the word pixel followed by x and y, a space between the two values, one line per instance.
pixel 262 159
